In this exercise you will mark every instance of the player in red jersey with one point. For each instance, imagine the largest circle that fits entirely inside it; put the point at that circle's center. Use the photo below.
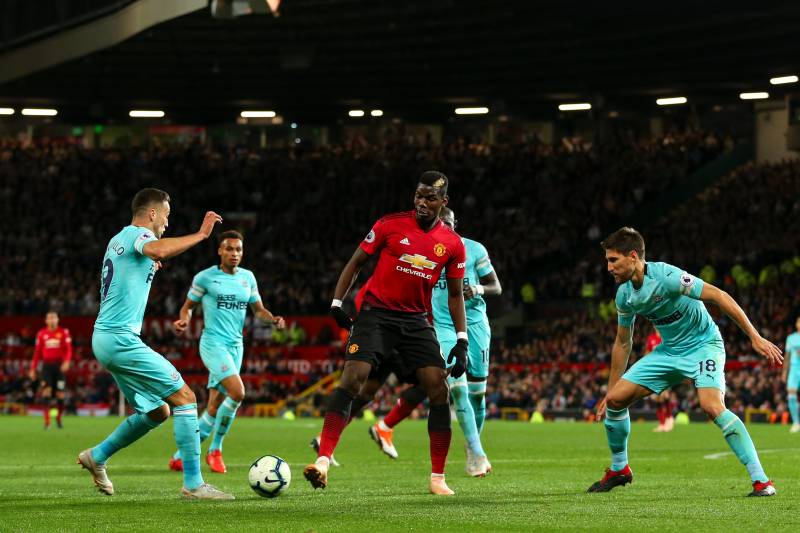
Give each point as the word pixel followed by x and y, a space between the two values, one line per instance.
pixel 413 248
pixel 54 350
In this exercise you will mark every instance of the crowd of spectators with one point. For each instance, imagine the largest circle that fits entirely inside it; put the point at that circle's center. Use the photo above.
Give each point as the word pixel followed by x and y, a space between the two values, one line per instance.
pixel 303 210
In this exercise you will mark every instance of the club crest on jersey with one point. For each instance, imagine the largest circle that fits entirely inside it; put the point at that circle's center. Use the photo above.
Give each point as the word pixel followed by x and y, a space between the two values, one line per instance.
pixel 657 298
pixel 687 280
pixel 370 236
pixel 245 284
pixel 418 261
pixel 439 249
pixel 353 348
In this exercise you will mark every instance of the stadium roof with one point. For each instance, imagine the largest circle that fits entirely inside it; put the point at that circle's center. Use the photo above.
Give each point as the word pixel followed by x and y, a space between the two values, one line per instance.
pixel 321 57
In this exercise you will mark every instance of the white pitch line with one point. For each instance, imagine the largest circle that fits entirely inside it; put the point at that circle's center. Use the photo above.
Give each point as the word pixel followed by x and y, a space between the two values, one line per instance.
pixel 720 455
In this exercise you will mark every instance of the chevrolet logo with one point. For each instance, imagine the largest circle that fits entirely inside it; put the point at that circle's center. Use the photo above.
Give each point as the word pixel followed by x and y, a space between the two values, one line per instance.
pixel 418 261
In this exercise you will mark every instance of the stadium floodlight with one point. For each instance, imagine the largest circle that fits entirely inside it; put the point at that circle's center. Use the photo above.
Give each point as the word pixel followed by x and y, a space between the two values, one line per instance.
pixel 672 101
pixel 376 113
pixel 574 107
pixel 471 110
pixel 37 112
pixel 783 79
pixel 754 96
pixel 146 113
pixel 7 111
pixel 355 113
pixel 257 114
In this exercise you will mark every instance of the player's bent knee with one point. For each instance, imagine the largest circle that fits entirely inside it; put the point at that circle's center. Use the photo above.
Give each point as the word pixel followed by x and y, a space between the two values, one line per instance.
pixel 183 396
pixel 159 414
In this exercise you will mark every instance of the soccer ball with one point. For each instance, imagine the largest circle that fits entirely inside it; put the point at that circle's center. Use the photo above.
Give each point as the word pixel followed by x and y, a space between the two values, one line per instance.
pixel 269 476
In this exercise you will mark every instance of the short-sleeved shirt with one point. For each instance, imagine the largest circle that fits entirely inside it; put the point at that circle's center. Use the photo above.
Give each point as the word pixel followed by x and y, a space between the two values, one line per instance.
pixel 225 298
pixel 125 281
pixel 478 265
pixel 669 298
pixel 410 261
pixel 793 350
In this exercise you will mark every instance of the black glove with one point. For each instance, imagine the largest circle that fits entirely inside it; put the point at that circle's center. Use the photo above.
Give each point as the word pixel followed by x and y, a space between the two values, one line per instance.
pixel 341 318
pixel 459 353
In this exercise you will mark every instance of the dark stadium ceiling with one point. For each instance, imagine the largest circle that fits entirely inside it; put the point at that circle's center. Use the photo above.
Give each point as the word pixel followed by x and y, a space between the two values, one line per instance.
pixel 420 57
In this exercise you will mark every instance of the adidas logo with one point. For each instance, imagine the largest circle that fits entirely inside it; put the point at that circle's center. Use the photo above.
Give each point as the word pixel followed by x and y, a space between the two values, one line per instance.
pixel 405 241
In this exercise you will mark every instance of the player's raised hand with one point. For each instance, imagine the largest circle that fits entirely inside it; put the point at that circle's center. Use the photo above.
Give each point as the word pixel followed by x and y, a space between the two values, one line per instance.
pixel 180 325
pixel 459 354
pixel 32 374
pixel 209 220
pixel 601 409
pixel 768 350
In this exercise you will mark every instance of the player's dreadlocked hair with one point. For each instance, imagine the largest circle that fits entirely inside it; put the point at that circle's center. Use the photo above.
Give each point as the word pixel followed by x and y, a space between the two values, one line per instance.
pixel 435 179
pixel 146 198
pixel 625 240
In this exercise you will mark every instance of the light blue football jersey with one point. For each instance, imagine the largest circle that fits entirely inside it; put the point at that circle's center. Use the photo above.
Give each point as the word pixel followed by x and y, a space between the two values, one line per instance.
pixel 670 299
pixel 125 281
pixel 793 350
pixel 478 265
pixel 225 298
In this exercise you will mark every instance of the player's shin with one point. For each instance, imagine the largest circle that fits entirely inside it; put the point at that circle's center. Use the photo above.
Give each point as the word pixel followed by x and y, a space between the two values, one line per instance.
pixel 336 418
pixel 466 417
pixel 794 411
pixel 408 401
pixel 440 434
pixel 225 416
pixel 132 429
pixel 618 427
pixel 735 433
pixel 206 425
pixel 477 397
pixel 187 437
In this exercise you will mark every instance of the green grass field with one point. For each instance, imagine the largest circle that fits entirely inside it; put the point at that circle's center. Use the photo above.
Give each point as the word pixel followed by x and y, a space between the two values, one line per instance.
pixel 683 480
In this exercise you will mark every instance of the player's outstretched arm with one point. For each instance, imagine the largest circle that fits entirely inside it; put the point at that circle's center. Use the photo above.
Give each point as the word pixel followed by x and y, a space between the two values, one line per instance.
pixel 172 246
pixel 184 316
pixel 732 309
pixel 265 316
pixel 489 286
pixel 623 343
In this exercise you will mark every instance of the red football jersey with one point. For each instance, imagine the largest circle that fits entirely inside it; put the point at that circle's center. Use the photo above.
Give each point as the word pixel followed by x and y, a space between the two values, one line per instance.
pixel 52 346
pixel 410 262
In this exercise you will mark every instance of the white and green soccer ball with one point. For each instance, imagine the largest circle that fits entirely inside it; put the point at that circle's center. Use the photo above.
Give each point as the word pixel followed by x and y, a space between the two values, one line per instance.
pixel 269 476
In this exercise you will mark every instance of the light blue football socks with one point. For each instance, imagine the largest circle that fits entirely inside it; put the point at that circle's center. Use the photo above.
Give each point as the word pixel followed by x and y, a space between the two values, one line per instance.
pixel 466 417
pixel 225 416
pixel 132 429
pixel 187 437
pixel 206 425
pixel 618 427
pixel 477 397
pixel 742 445
pixel 793 408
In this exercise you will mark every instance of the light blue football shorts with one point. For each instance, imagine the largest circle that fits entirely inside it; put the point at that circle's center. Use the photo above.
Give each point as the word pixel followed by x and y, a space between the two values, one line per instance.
pixel 221 359
pixel 480 336
pixel 143 375
pixel 658 370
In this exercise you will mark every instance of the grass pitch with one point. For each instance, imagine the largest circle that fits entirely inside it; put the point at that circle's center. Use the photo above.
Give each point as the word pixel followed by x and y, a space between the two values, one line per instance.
pixel 685 480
